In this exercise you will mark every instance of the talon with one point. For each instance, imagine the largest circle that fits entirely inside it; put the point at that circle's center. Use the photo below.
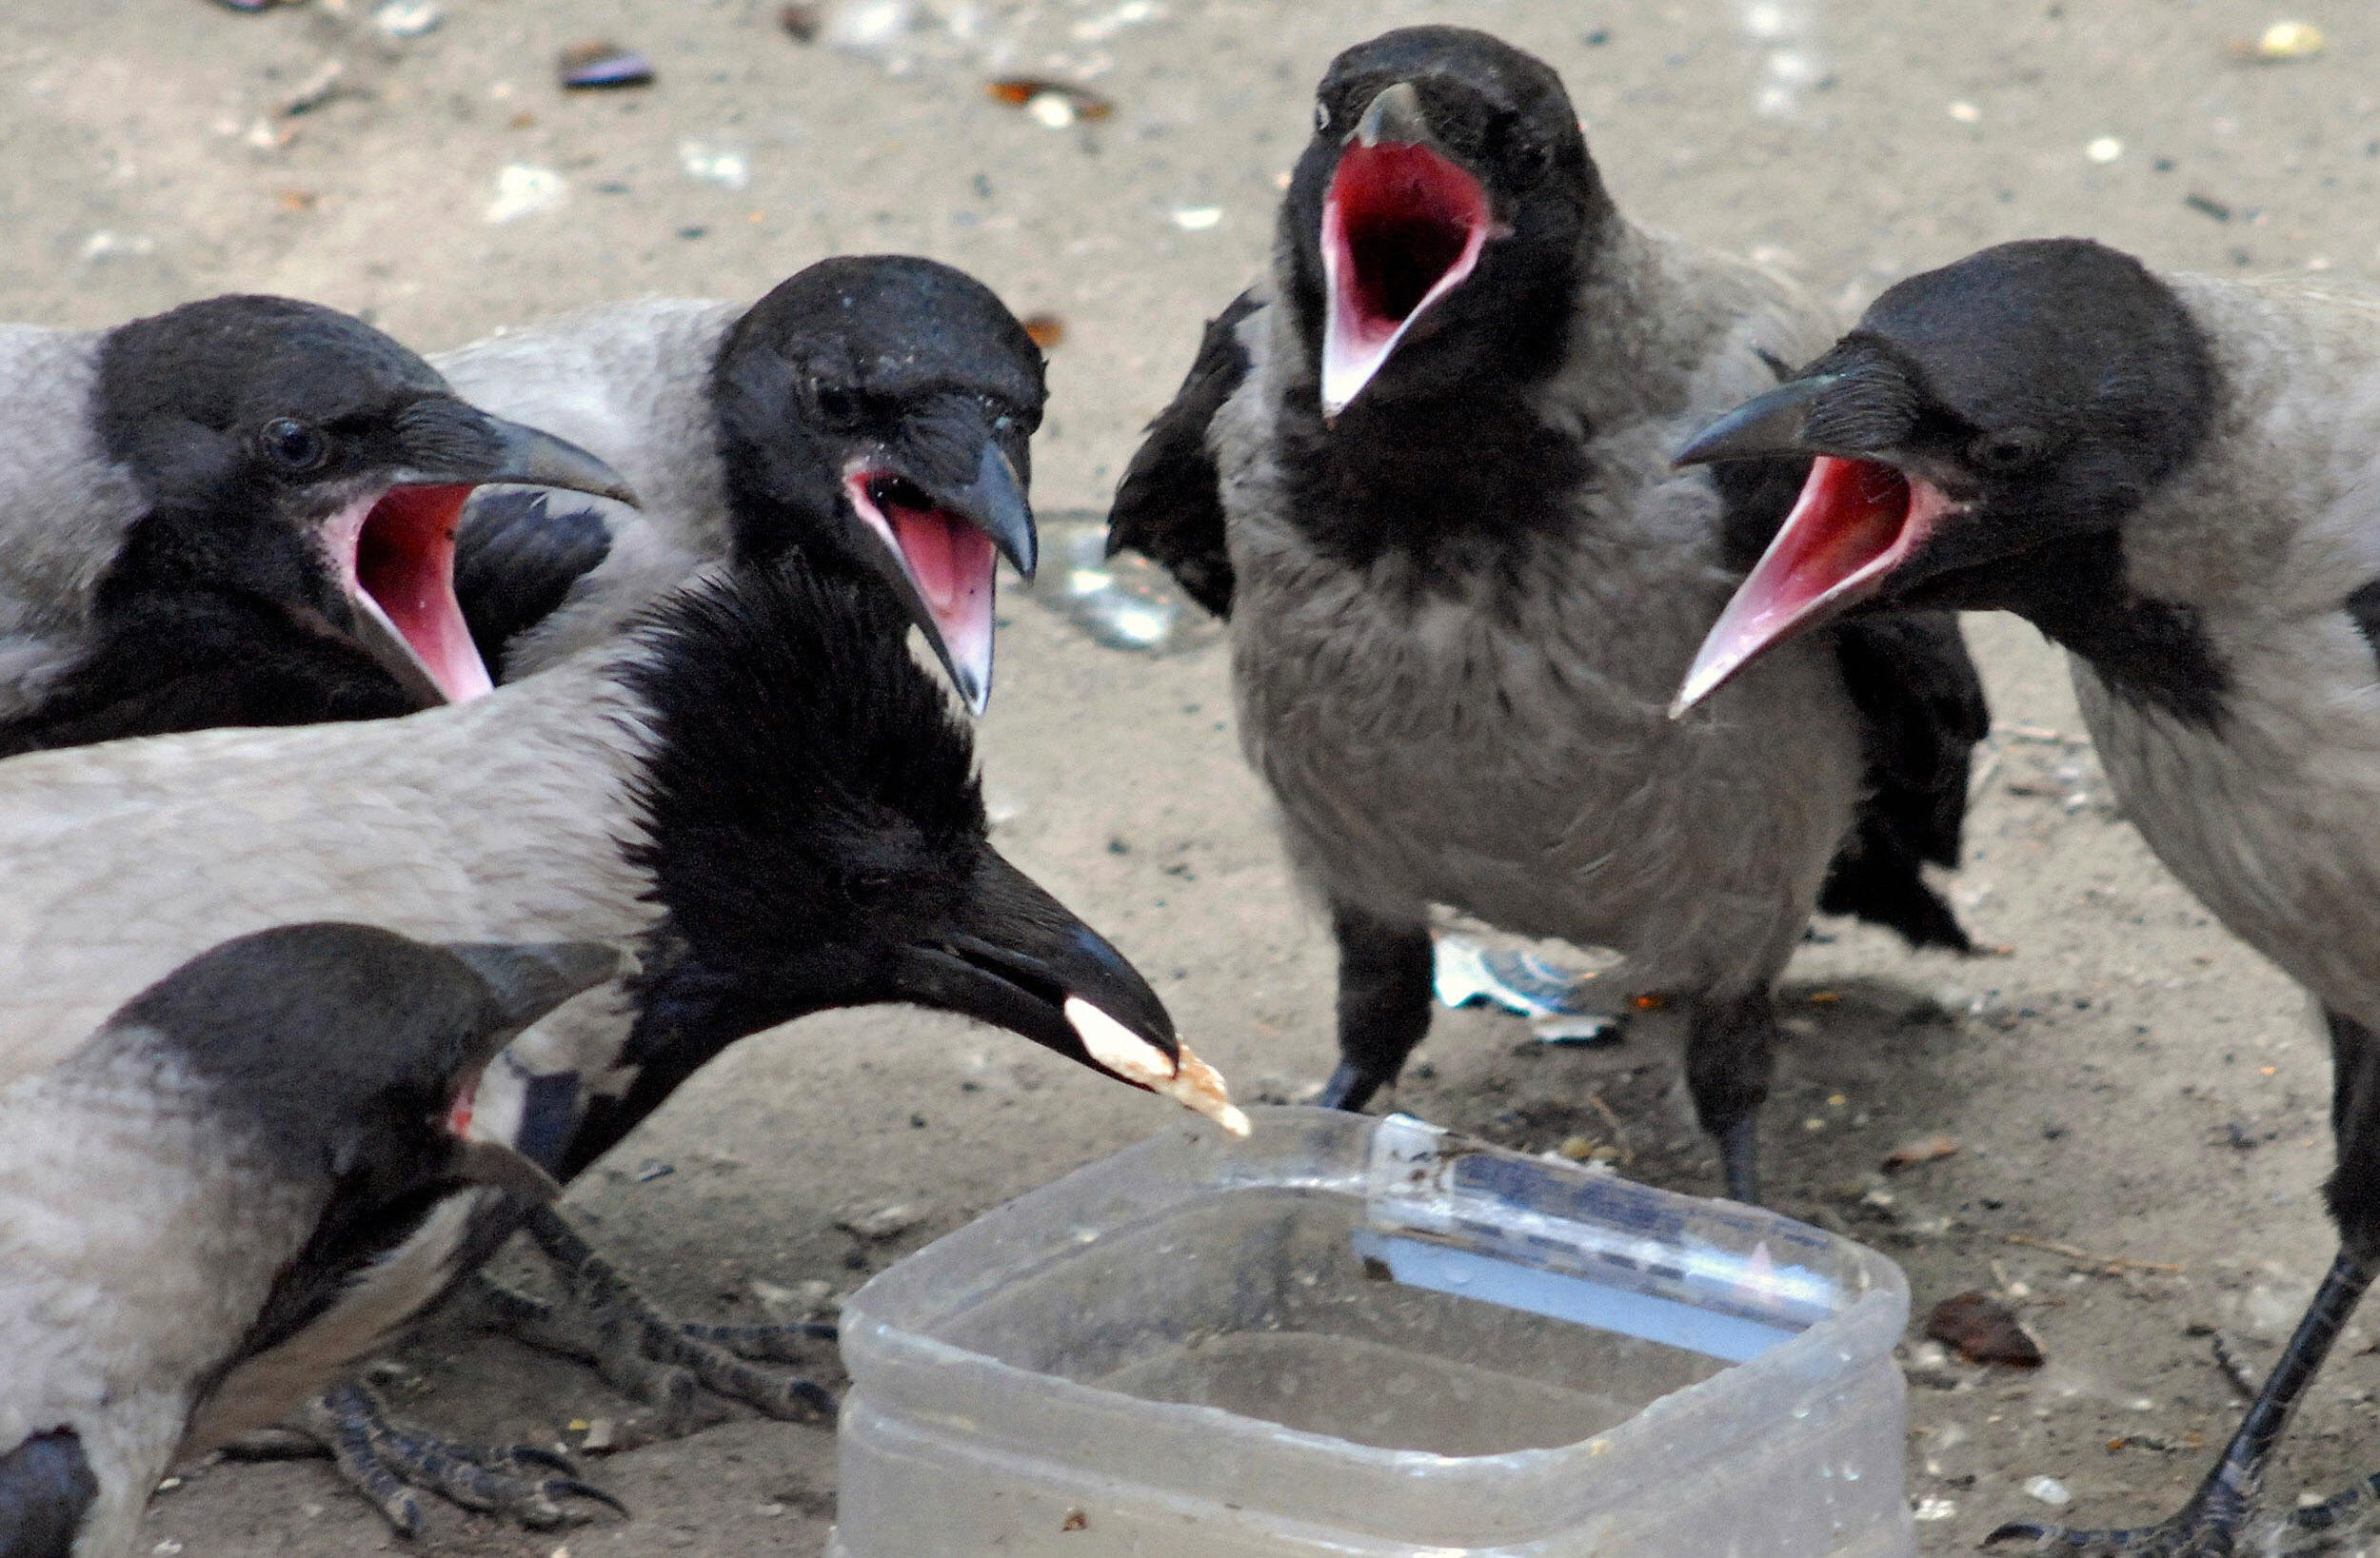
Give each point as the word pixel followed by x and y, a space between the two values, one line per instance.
pixel 2041 1535
pixel 524 1455
pixel 573 1487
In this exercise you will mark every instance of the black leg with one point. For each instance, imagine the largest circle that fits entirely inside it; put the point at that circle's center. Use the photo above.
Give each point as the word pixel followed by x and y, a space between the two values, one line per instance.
pixel 1731 1055
pixel 653 1356
pixel 1383 1003
pixel 2209 1526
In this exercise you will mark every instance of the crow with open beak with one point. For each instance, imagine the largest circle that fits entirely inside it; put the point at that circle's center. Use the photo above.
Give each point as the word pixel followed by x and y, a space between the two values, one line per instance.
pixel 246 516
pixel 757 792
pixel 186 1188
pixel 874 410
pixel 1424 467
pixel 2177 480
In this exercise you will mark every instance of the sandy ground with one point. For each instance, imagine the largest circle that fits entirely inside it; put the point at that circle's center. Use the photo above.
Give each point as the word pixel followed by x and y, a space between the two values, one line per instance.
pixel 2125 1080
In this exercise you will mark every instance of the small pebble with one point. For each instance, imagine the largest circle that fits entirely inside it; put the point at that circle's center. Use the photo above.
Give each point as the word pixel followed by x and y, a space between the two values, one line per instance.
pixel 408 18
pixel 2105 149
pixel 1198 217
pixel 602 66
pixel 2050 1491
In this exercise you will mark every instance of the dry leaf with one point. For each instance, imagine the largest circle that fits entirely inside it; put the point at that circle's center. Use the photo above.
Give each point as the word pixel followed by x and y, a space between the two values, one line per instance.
pixel 1983 1329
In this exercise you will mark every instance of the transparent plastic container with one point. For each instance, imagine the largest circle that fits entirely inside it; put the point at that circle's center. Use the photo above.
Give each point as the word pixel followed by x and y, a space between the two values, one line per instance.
pixel 1362 1337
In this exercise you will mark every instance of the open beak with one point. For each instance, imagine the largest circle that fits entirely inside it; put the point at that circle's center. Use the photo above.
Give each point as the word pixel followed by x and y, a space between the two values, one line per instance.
pixel 393 550
pixel 1856 523
pixel 1019 960
pixel 1403 225
pixel 525 981
pixel 942 540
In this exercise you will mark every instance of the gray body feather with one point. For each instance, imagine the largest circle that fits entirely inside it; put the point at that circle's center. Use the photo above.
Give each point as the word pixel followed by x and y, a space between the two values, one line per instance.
pixel 65 506
pixel 2273 815
pixel 631 382
pixel 1500 745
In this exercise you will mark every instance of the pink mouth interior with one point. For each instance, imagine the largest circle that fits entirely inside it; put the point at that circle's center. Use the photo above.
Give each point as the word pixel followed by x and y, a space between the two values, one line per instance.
pixel 405 565
pixel 951 563
pixel 1855 521
pixel 1401 226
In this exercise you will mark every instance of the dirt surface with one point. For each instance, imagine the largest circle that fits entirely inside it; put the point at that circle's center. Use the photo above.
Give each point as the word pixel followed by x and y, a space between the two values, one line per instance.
pixel 2125 1080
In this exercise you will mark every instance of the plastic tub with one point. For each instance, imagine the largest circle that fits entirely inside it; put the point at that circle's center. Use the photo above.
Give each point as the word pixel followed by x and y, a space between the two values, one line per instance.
pixel 1356 1336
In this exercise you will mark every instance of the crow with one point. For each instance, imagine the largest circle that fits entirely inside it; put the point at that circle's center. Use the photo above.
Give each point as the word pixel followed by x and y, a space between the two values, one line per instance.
pixel 1424 467
pixel 220 1152
pixel 2177 479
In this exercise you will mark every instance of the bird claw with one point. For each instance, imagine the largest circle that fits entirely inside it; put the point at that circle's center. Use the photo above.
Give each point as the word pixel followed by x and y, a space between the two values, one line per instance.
pixel 639 1348
pixel 385 1461
pixel 2195 1533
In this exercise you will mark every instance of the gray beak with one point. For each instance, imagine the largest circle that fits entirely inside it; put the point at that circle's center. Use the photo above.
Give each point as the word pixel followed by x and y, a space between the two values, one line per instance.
pixel 456 443
pixel 995 503
pixel 1393 116
pixel 1767 427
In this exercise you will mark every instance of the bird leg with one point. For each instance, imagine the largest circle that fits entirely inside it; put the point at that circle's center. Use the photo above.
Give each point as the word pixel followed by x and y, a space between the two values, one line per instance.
pixel 1731 1054
pixel 2212 1524
pixel 386 1460
pixel 601 1319
pixel 1384 976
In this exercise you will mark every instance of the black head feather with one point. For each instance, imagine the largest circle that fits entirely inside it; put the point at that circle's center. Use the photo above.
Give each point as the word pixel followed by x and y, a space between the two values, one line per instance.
pixel 807 778
pixel 865 351
pixel 1503 115
pixel 1443 453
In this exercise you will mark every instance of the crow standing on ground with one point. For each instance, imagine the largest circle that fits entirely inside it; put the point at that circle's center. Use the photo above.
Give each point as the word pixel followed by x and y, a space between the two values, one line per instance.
pixel 2179 480
pixel 238 512
pixel 1425 468
pixel 190 1181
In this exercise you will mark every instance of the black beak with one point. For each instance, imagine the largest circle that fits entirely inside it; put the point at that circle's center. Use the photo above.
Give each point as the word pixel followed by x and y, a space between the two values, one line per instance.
pixel 528 980
pixel 934 499
pixel 1394 114
pixel 451 442
pixel 1774 426
pixel 1017 958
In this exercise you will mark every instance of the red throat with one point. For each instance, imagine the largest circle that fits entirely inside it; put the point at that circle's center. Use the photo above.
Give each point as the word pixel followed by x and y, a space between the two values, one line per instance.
pixel 1402 226
pixel 950 562
pixel 1856 522
pixel 402 565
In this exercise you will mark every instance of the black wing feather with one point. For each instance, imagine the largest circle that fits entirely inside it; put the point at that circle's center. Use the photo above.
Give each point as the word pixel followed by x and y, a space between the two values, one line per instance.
pixel 1169 507
pixel 515 560
pixel 1921 712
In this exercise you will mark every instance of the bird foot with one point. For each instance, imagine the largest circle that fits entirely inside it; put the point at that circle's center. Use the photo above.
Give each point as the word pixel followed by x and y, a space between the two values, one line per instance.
pixel 2200 1530
pixel 386 1460
pixel 1350 1088
pixel 639 1349
pixel 2333 1515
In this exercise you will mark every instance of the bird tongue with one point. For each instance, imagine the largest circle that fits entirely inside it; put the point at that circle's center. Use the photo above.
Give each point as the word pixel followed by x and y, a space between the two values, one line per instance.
pixel 1855 521
pixel 398 558
pixel 1401 227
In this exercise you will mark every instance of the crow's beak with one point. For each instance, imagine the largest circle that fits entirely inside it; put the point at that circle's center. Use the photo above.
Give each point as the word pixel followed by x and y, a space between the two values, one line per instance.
pixel 1014 958
pixel 1858 522
pixel 393 550
pixel 1403 225
pixel 941 531
pixel 525 981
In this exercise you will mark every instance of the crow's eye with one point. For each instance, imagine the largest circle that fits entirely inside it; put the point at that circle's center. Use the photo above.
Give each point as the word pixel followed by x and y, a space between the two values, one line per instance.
pixel 838 407
pixel 293 446
pixel 2009 450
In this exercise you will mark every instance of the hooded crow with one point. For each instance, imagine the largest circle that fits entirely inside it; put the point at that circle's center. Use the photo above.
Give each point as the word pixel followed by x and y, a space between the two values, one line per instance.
pixel 2177 480
pixel 187 1183
pixel 1425 468
pixel 238 512
pixel 754 789
pixel 873 409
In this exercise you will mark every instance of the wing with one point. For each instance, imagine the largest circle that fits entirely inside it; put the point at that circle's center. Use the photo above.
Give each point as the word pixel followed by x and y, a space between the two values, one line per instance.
pixel 515 560
pixel 1921 712
pixel 1169 507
